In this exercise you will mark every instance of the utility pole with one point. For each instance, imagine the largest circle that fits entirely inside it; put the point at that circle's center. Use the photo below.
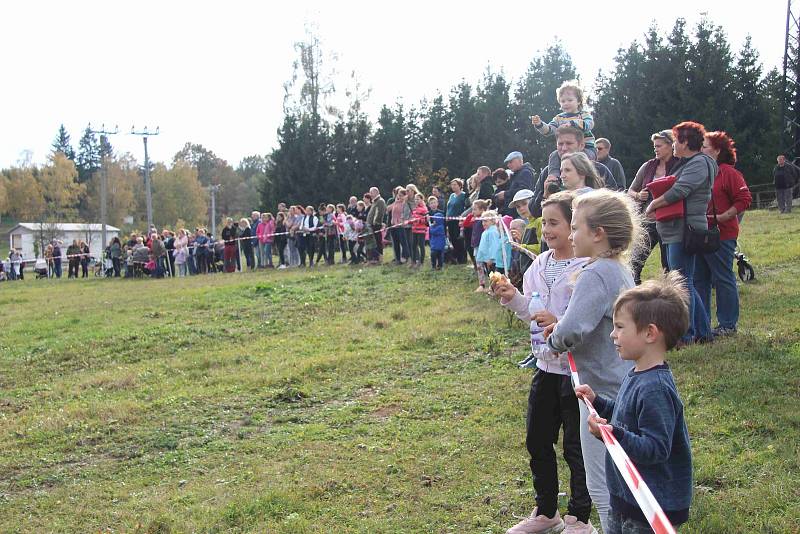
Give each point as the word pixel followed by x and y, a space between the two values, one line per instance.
pixel 214 189
pixel 791 82
pixel 148 193
pixel 104 181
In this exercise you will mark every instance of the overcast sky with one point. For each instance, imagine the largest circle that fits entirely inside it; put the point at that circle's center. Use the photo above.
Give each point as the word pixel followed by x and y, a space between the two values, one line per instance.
pixel 213 72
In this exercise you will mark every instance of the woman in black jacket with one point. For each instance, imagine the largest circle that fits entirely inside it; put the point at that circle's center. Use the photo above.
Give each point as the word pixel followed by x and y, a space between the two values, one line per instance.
pixel 280 240
pixel 229 235
pixel 247 244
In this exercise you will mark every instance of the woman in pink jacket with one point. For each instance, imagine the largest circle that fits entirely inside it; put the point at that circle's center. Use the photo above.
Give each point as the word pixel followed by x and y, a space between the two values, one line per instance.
pixel 265 233
pixel 419 229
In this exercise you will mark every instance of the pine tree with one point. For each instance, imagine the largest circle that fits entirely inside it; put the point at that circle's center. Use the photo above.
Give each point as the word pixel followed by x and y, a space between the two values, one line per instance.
pixel 104 148
pixel 62 143
pixel 709 71
pixel 495 133
pixel 88 159
pixel 751 112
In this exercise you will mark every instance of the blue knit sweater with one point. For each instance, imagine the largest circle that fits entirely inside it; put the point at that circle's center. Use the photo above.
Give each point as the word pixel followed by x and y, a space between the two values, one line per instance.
pixel 648 422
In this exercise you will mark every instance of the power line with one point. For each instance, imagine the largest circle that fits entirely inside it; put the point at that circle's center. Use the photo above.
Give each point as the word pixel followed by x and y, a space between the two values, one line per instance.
pixel 791 81
pixel 145 133
pixel 103 178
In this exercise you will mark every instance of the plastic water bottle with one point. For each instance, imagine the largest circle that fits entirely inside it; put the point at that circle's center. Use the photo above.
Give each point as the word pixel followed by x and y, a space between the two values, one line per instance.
pixel 537 338
pixel 538 343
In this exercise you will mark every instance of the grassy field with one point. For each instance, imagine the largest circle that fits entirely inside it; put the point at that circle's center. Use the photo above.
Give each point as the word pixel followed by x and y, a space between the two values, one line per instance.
pixel 348 400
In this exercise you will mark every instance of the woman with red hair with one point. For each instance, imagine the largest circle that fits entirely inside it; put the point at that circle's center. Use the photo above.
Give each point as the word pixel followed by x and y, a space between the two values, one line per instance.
pixel 694 179
pixel 730 197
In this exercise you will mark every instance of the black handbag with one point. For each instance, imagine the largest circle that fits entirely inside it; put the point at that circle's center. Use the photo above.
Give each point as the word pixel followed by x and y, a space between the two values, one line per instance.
pixel 702 241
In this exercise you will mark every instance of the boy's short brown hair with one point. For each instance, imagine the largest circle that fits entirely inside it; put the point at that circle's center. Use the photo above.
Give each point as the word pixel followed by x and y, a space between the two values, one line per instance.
pixel 663 302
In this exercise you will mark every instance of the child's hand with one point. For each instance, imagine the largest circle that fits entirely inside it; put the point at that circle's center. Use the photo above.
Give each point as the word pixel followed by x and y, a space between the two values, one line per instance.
pixel 585 392
pixel 594 425
pixel 536 120
pixel 503 289
pixel 544 318
pixel 549 329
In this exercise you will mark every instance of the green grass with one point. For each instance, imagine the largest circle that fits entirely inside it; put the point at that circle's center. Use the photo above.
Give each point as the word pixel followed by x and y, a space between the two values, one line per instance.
pixel 347 400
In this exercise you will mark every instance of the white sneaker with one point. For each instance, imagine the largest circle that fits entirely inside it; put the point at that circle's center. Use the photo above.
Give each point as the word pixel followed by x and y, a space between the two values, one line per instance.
pixel 538 524
pixel 578 527
pixel 281 266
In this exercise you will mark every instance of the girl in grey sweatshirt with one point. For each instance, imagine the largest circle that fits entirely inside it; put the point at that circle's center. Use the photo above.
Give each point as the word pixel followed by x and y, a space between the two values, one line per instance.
pixel 605 225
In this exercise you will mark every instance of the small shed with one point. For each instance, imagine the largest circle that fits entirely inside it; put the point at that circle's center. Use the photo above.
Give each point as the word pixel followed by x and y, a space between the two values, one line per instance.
pixel 32 238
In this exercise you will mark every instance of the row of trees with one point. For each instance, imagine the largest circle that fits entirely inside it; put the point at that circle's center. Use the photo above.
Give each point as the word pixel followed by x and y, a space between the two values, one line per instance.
pixel 67 187
pixel 326 153
pixel 668 77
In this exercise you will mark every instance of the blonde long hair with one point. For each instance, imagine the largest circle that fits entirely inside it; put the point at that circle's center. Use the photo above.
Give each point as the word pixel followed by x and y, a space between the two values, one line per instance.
pixel 617 215
pixel 584 167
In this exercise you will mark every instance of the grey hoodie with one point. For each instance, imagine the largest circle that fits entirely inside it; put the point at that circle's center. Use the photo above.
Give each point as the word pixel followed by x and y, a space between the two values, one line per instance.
pixel 585 328
pixel 693 185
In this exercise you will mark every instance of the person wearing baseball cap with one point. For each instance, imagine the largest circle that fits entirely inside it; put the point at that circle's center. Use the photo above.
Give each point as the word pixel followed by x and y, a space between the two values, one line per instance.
pixel 522 178
pixel 529 240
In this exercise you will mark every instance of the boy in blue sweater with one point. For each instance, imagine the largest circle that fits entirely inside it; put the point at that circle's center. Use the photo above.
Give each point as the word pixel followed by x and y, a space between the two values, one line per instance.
pixel 647 416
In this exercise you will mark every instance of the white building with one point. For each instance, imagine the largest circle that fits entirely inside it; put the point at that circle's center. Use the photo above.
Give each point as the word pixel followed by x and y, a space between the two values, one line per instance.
pixel 33 237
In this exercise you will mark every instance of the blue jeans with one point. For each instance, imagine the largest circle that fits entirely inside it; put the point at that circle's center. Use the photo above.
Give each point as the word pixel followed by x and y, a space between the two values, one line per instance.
pixel 399 244
pixel 619 524
pixel 265 254
pixel 699 325
pixel 716 270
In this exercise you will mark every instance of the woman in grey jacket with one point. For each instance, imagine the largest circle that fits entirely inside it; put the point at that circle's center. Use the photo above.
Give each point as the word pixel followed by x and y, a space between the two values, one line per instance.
pixel 695 178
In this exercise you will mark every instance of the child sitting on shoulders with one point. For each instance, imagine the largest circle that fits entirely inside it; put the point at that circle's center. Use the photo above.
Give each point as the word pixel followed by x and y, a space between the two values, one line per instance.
pixel 647 416
pixel 570 98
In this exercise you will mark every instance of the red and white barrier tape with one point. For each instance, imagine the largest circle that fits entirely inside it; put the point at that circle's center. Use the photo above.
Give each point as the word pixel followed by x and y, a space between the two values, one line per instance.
pixel 644 497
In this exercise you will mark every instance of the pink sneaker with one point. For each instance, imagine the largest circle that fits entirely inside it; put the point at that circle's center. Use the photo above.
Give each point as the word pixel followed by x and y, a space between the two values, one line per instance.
pixel 578 527
pixel 538 524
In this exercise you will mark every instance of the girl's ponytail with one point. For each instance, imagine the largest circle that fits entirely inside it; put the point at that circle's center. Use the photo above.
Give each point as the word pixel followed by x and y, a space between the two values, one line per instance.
pixel 616 214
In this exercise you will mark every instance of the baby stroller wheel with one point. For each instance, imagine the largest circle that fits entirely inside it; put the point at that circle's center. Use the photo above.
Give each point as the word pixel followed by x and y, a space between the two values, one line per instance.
pixel 745 270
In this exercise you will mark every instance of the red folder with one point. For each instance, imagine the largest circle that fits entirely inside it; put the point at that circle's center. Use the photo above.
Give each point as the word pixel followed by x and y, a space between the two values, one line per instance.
pixel 657 188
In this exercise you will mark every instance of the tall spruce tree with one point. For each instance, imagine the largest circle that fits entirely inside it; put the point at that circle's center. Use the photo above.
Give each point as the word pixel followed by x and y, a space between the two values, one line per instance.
pixel 750 112
pixel 495 135
pixel 88 159
pixel 63 144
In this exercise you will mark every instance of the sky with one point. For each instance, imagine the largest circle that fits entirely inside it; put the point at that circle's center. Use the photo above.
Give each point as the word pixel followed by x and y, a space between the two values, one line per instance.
pixel 213 72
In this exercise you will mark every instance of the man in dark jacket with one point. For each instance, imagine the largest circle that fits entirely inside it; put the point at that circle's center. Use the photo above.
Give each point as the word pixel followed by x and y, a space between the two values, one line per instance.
pixel 785 175
pixel 604 156
pixel 484 185
pixel 521 179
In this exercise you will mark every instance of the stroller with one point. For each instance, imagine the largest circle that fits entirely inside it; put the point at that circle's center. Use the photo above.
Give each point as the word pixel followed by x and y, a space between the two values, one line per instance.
pixel 40 268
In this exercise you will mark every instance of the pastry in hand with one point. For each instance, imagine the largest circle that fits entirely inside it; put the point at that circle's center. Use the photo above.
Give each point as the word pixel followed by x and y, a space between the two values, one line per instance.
pixel 496 278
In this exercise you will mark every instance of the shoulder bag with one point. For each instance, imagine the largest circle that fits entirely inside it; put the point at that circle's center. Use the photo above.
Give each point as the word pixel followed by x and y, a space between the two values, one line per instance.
pixel 700 241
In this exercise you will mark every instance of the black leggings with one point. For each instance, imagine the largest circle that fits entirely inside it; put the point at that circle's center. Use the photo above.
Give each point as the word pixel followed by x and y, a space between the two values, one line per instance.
pixel 551 405
pixel 330 241
pixel 418 248
pixel 281 253
pixel 454 233
pixel 643 252
pixel 306 245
